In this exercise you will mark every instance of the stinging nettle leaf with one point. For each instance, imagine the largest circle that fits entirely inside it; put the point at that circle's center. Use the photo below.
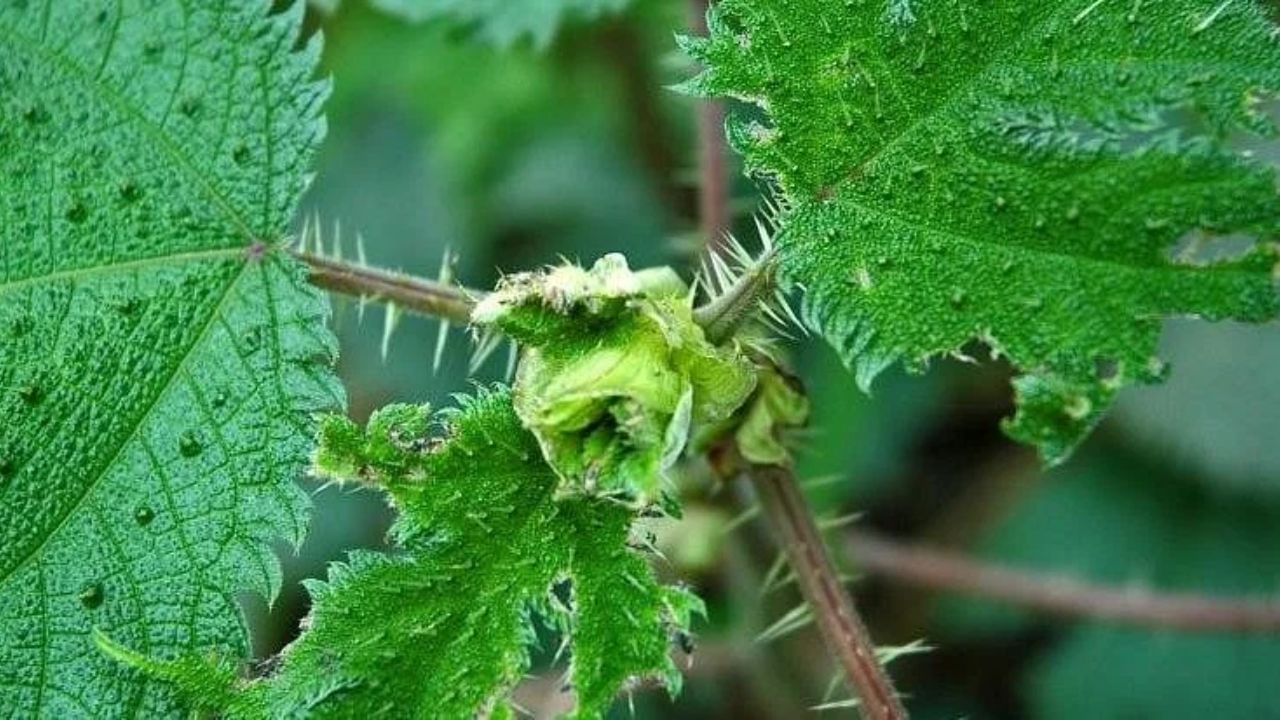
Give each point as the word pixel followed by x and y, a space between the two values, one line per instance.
pixel 159 356
pixel 504 22
pixel 1049 179
pixel 442 629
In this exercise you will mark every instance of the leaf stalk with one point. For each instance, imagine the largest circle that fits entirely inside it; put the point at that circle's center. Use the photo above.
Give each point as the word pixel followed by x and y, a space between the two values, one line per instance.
pixel 426 297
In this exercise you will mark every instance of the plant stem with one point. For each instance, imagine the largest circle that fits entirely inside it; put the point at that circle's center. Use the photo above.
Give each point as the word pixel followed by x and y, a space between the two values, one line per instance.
pixel 723 314
pixel 1057 595
pixel 842 628
pixel 622 47
pixel 448 302
pixel 713 168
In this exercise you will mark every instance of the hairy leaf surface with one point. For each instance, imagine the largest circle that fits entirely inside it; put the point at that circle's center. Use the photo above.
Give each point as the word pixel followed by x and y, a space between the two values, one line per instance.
pixel 1015 173
pixel 504 22
pixel 442 629
pixel 159 358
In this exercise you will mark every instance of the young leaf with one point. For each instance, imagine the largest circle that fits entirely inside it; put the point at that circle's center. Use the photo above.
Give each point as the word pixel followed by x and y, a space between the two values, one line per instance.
pixel 1013 173
pixel 442 629
pixel 503 22
pixel 159 357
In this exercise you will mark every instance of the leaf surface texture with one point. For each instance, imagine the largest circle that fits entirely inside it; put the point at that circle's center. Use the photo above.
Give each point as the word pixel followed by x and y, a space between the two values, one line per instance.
pixel 1048 179
pixel 443 627
pixel 159 357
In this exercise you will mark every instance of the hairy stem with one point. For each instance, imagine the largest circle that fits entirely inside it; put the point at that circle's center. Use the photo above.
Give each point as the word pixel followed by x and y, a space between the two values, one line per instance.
pixel 1058 595
pixel 426 297
pixel 842 628
pixel 721 316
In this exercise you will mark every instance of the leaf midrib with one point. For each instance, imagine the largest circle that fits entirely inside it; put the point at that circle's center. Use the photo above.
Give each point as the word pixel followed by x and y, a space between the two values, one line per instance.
pixel 75 274
pixel 132 435
pixel 120 103
pixel 981 241
pixel 161 140
pixel 852 201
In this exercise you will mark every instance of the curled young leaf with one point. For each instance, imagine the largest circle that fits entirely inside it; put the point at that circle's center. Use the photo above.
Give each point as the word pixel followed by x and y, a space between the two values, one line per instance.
pixel 615 373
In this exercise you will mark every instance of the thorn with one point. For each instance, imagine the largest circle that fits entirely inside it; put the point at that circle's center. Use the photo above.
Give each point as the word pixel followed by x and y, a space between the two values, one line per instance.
pixel 771 579
pixel 839 521
pixel 445 276
pixel 336 252
pixel 832 686
pixel 837 705
pixel 389 320
pixel 741 519
pixel 796 618
pixel 513 355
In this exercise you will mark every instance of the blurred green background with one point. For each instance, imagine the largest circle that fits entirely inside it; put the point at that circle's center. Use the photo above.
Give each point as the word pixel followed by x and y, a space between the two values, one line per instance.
pixel 519 155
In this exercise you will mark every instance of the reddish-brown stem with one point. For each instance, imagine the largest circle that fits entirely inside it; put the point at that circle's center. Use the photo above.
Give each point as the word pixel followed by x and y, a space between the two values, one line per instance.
pixel 713 166
pixel 1058 595
pixel 622 48
pixel 842 628
pixel 441 300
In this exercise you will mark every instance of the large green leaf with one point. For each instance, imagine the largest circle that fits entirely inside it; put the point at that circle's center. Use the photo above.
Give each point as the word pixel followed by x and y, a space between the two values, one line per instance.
pixel 443 628
pixel 503 22
pixel 1012 173
pixel 159 356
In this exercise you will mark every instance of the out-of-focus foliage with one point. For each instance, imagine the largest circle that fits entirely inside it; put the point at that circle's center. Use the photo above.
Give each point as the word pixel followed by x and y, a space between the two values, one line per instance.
pixel 1103 519
pixel 503 22
pixel 436 142
pixel 1219 414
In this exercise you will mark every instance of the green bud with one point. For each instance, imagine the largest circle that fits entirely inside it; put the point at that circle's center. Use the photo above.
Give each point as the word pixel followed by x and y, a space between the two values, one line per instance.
pixel 614 373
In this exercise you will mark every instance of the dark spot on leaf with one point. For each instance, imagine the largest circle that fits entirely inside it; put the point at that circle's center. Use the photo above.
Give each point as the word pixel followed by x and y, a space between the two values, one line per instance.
pixel 144 515
pixel 77 213
pixel 35 114
pixel 91 596
pixel 31 393
pixel 129 191
pixel 189 445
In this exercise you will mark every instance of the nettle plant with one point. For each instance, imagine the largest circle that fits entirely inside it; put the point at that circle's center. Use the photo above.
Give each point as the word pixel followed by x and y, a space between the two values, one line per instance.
pixel 1046 181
